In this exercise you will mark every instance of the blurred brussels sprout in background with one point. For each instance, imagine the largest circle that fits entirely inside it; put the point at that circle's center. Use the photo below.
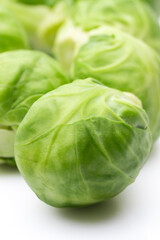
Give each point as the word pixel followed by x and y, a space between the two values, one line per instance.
pixel 40 21
pixel 24 77
pixel 134 17
pixel 12 34
pixel 121 61
pixel 82 143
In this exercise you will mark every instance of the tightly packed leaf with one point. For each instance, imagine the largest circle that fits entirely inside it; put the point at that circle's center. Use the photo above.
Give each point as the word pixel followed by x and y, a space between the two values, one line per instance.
pixel 31 74
pixel 82 143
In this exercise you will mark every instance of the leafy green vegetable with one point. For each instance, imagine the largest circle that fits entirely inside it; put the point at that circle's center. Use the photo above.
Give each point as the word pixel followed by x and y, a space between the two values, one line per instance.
pixel 86 141
pixel 24 77
pixel 121 61
pixel 82 143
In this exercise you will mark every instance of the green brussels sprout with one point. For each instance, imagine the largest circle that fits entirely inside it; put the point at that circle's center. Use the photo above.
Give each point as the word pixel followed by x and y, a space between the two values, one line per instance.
pixel 134 17
pixel 121 61
pixel 12 34
pixel 40 21
pixel 82 143
pixel 25 76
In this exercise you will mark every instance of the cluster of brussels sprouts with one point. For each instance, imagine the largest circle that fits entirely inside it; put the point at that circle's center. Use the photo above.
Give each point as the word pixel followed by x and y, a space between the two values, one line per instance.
pixel 79 95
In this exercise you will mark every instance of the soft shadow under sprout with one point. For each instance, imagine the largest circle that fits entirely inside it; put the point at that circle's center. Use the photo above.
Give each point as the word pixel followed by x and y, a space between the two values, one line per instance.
pixel 8 170
pixel 103 211
pixel 154 153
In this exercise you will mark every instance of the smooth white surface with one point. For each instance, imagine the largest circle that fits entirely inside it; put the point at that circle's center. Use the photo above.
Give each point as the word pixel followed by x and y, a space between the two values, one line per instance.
pixel 133 215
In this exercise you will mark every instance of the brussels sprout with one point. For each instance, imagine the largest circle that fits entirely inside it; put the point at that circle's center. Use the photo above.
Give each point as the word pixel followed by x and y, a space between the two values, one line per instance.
pixel 121 61
pixel 134 17
pixel 24 77
pixel 41 22
pixel 12 34
pixel 82 143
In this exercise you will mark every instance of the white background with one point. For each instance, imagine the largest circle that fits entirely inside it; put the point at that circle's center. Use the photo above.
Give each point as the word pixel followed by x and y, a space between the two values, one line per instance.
pixel 132 215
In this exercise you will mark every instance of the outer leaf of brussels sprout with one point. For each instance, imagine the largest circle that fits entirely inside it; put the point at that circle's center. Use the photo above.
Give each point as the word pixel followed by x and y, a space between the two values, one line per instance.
pixel 12 34
pixel 121 61
pixel 82 143
pixel 134 17
pixel 24 77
